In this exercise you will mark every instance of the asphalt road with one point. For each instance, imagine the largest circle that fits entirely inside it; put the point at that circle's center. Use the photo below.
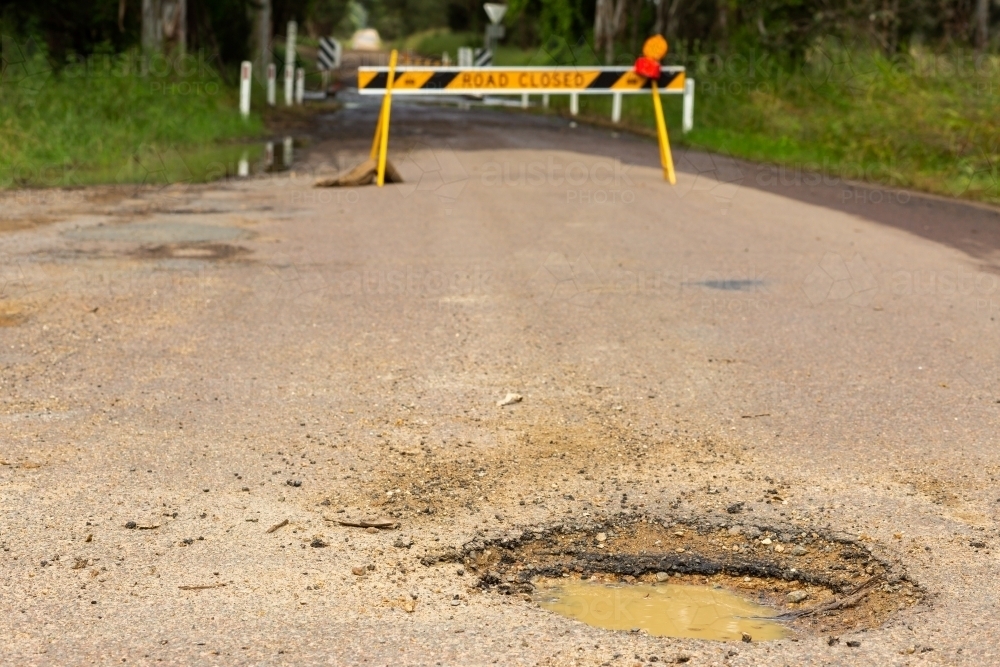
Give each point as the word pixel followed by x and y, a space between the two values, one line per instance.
pixel 210 361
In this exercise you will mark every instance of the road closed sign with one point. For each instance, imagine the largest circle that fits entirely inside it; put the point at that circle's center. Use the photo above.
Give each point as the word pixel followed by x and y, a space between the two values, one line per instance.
pixel 515 80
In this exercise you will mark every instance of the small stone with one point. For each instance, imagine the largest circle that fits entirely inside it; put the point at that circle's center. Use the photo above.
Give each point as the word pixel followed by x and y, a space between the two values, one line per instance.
pixel 403 543
pixel 662 576
pixel 601 537
pixel 752 532
pixel 854 643
pixel 455 603
pixel 766 541
pixel 510 399
pixel 747 638
pixel 779 548
pixel 131 525
pixel 460 572
pixel 735 508
pixel 831 640
pixel 735 530
pixel 799 550
pixel 797 596
pixel 357 571
pixel 318 543
pixel 294 482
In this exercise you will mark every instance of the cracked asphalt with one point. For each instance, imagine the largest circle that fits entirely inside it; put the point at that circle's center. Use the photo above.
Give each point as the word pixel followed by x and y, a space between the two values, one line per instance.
pixel 183 368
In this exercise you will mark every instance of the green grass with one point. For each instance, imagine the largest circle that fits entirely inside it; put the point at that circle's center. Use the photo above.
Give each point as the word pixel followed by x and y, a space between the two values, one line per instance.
pixel 104 121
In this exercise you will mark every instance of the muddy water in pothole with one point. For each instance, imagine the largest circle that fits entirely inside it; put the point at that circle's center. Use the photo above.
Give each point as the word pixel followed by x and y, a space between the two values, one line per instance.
pixel 663 610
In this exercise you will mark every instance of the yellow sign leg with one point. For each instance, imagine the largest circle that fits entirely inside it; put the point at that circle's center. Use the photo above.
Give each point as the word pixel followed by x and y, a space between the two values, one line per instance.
pixel 383 129
pixel 666 159
pixel 376 142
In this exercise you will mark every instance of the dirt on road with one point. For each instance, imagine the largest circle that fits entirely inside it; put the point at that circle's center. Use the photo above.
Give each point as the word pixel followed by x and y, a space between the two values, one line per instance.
pixel 259 422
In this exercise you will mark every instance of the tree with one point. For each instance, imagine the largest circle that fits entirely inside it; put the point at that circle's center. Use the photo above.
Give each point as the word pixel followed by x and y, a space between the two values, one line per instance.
pixel 982 24
pixel 609 19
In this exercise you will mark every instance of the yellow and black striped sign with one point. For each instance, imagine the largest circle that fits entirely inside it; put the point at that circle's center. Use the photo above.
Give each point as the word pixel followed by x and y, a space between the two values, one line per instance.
pixel 515 80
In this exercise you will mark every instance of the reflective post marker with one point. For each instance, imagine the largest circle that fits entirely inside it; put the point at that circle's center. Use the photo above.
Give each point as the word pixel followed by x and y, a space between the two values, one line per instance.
pixel 574 104
pixel 300 85
pixel 688 117
pixel 524 101
pixel 616 107
pixel 245 69
pixel 272 74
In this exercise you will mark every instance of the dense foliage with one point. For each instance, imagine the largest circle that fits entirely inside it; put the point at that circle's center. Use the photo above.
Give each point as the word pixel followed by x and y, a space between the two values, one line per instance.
pixel 786 27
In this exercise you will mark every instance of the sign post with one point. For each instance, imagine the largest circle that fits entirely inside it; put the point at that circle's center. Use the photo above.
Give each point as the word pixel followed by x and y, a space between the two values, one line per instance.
pixel 494 31
pixel 290 62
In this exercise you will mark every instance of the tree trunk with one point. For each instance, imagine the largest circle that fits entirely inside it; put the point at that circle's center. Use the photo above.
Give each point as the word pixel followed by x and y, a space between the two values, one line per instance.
pixel 603 15
pixel 609 17
pixel 982 24
pixel 260 36
pixel 152 28
pixel 722 21
pixel 659 23
pixel 671 23
pixel 182 27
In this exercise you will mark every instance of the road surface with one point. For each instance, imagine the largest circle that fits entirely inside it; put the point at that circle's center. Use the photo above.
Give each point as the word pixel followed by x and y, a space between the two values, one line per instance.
pixel 184 368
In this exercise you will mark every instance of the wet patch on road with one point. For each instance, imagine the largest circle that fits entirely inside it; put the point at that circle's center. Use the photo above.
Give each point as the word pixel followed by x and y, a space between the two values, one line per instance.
pixel 730 285
pixel 661 609
pixel 817 583
pixel 11 314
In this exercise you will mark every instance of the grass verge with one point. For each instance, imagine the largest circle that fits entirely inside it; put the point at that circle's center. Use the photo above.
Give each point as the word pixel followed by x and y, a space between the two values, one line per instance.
pixel 110 119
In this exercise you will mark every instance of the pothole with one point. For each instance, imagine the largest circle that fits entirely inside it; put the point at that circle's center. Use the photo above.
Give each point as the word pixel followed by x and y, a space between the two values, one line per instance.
pixel 157 232
pixel 807 581
pixel 205 251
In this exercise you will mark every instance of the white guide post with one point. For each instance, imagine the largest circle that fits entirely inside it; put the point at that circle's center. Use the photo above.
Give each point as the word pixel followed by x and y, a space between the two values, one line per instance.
pixel 545 100
pixel 272 74
pixel 300 85
pixel 688 120
pixel 574 103
pixel 524 101
pixel 245 68
pixel 616 107
pixel 290 61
